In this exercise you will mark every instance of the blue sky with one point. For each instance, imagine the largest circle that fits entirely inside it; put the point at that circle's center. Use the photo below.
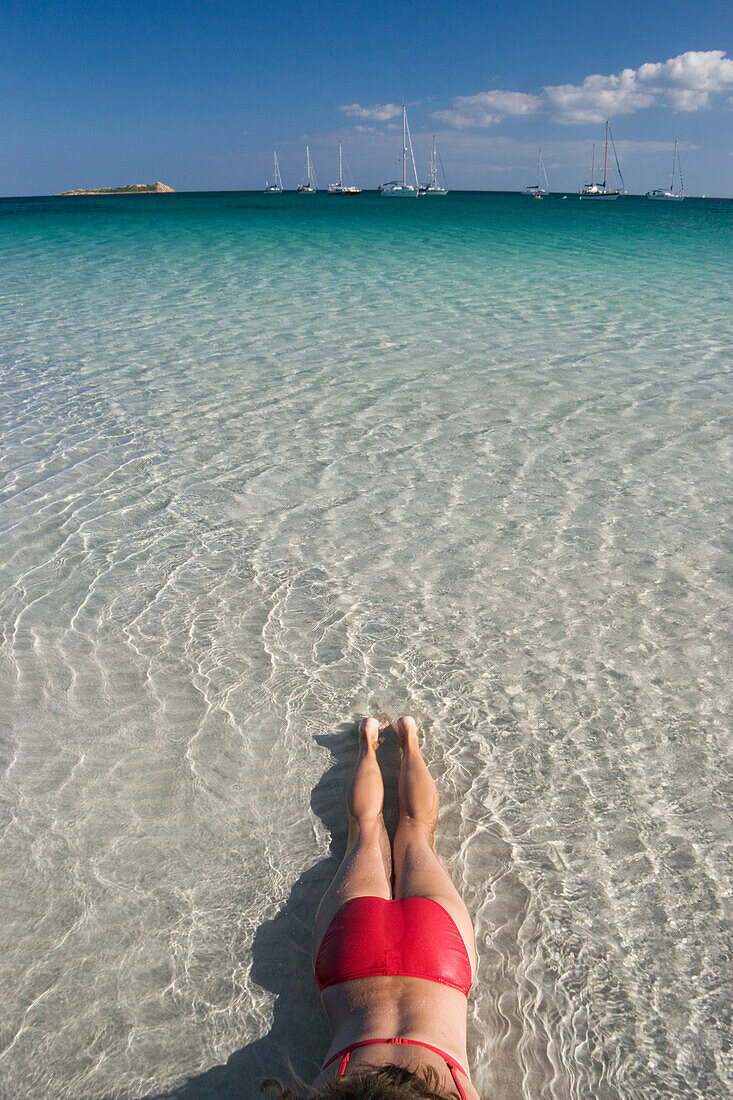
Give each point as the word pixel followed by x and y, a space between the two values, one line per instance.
pixel 198 94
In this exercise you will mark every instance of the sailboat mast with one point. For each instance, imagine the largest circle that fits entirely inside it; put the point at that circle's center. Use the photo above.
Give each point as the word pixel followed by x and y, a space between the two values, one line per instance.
pixel 539 163
pixel 593 165
pixel 605 159
pixel 674 161
pixel 341 170
pixel 404 146
pixel 434 166
pixel 412 158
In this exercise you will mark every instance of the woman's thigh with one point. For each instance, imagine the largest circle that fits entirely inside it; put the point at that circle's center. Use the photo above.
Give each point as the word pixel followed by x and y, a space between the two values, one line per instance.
pixel 365 871
pixel 419 872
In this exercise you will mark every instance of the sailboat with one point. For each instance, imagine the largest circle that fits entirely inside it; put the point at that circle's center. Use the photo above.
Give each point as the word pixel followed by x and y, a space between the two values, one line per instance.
pixel 595 190
pixel 401 189
pixel 341 188
pixel 535 189
pixel 310 184
pixel 276 187
pixel 433 187
pixel 669 194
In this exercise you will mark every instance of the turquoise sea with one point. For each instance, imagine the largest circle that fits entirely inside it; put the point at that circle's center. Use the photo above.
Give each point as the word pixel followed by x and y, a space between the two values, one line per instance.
pixel 273 462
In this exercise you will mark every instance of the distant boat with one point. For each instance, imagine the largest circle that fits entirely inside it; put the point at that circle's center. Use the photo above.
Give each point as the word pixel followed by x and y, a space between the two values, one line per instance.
pixel 595 190
pixel 276 187
pixel 310 184
pixel 669 194
pixel 433 187
pixel 535 189
pixel 341 188
pixel 401 189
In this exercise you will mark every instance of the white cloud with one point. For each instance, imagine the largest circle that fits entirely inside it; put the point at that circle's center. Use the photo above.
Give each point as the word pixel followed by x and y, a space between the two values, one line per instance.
pixel 690 79
pixel 487 108
pixel 512 103
pixel 596 98
pixel 462 121
pixel 686 82
pixel 379 112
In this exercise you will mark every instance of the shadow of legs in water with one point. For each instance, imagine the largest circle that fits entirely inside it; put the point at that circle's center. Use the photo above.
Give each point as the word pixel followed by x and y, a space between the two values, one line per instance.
pixel 281 951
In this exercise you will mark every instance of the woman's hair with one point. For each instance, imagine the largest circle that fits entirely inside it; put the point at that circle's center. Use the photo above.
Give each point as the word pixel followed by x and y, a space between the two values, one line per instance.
pixel 384 1083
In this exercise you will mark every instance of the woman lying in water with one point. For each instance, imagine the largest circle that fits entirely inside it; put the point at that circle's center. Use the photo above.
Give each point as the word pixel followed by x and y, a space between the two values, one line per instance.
pixel 393 946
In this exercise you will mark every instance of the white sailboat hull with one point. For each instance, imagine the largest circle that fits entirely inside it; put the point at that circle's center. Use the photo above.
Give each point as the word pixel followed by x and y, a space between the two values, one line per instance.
pixel 435 192
pixel 599 196
pixel 398 191
pixel 664 196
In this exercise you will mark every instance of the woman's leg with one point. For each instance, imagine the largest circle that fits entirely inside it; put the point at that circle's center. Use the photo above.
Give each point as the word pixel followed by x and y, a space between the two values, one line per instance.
pixel 366 869
pixel 418 872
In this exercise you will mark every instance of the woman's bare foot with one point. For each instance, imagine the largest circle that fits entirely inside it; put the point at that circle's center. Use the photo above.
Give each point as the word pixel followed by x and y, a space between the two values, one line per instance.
pixel 408 733
pixel 369 730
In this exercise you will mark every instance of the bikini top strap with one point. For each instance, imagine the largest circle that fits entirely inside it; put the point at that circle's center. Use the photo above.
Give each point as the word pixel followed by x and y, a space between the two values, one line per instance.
pixel 345 1054
pixel 454 1067
pixel 451 1062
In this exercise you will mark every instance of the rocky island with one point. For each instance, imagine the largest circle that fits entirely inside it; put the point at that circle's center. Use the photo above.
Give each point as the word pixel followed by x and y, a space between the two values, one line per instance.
pixel 131 189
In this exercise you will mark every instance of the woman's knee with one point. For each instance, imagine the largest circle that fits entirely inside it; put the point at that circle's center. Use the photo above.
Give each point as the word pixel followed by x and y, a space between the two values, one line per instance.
pixel 415 828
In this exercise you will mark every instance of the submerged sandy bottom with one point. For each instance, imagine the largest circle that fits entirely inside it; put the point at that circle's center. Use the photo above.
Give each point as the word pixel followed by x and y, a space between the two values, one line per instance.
pixel 262 478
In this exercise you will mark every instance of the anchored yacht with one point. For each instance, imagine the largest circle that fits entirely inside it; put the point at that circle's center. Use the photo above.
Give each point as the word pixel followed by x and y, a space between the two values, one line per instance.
pixel 433 187
pixel 401 189
pixel 536 190
pixel 669 194
pixel 595 190
pixel 341 188
pixel 276 187
pixel 309 186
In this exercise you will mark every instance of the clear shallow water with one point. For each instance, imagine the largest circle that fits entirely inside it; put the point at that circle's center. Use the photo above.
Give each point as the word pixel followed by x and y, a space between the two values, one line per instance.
pixel 273 462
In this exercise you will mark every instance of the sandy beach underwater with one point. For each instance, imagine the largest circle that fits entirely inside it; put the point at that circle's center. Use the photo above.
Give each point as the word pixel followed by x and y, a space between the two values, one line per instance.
pixel 271 465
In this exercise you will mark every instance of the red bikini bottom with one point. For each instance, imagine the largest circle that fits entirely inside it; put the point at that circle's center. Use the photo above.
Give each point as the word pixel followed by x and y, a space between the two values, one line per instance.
pixel 407 937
